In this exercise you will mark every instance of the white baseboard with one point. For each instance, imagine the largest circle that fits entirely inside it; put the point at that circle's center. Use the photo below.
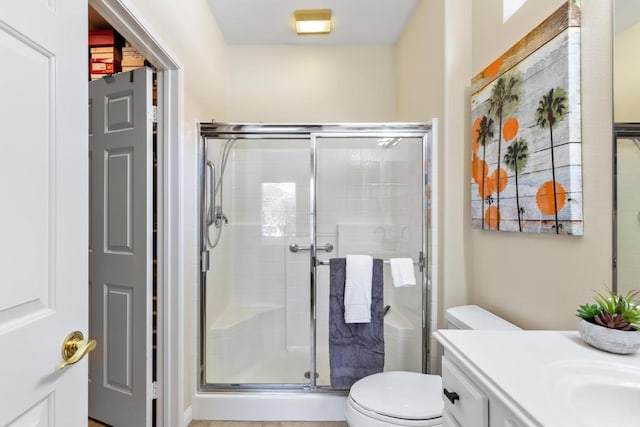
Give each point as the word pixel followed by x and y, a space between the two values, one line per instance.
pixel 187 417
pixel 269 406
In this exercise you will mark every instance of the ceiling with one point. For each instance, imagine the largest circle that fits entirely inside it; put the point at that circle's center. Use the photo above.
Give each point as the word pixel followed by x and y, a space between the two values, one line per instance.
pixel 627 14
pixel 355 22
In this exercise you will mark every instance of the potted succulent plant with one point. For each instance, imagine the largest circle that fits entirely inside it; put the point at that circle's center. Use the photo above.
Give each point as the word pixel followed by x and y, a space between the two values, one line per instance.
pixel 612 323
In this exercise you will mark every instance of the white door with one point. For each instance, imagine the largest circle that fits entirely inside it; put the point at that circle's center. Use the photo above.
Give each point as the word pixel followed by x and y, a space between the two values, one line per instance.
pixel 120 250
pixel 43 214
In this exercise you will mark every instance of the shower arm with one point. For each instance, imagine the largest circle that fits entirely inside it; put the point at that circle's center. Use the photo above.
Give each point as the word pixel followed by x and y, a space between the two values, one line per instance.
pixel 212 193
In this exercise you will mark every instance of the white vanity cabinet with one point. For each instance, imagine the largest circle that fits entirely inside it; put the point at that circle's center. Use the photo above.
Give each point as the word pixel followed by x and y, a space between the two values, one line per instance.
pixel 469 403
pixel 535 378
pixel 464 402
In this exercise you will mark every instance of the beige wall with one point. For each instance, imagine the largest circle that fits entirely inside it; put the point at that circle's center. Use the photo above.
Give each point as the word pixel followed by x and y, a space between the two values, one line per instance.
pixel 419 54
pixel 627 63
pixel 433 58
pixel 192 36
pixel 456 224
pixel 537 281
pixel 310 84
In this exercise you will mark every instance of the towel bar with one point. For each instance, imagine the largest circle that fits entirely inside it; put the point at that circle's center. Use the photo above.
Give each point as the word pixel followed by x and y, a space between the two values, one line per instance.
pixel 420 263
pixel 294 247
pixel 326 262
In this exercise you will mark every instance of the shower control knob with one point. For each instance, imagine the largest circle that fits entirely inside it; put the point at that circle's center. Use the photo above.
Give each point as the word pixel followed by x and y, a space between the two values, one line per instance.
pixel 294 247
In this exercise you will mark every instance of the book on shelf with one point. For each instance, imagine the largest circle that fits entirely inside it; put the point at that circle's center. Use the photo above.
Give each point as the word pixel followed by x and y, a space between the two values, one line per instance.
pixel 100 66
pixel 131 63
pixel 106 37
pixel 110 52
pixel 131 52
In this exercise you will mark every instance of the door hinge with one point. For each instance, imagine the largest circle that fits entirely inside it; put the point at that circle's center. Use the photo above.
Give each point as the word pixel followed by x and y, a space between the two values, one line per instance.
pixel 154 390
pixel 204 261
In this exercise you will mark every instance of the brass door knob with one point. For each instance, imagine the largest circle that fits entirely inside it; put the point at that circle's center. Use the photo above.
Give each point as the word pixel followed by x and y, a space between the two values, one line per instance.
pixel 74 348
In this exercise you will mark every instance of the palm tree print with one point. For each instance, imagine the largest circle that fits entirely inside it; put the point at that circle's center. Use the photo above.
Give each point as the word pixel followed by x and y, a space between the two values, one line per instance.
pixel 516 159
pixel 552 109
pixel 485 135
pixel 503 95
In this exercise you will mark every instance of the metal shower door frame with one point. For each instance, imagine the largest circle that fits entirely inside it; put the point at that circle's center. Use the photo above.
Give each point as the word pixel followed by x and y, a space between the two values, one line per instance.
pixel 627 130
pixel 311 133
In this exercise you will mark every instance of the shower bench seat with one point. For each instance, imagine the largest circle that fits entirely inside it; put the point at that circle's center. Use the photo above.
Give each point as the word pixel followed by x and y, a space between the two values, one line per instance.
pixel 235 314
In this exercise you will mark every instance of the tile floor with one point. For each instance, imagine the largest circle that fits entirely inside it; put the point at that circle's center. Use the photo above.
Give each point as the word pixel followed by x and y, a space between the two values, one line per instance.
pixel 266 424
pixel 93 423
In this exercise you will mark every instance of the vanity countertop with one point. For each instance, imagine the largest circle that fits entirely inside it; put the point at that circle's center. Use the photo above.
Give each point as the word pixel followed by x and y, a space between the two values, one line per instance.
pixel 550 378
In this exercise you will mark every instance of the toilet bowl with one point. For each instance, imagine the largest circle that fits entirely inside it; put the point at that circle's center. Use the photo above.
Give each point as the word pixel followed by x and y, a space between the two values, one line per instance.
pixel 410 398
pixel 395 398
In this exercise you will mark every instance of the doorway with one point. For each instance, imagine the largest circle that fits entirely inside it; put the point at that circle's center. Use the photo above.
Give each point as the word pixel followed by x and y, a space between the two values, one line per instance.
pixel 169 385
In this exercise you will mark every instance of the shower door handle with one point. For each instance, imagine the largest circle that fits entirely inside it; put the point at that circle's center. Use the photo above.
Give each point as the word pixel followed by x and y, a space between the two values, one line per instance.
pixel 294 247
pixel 212 192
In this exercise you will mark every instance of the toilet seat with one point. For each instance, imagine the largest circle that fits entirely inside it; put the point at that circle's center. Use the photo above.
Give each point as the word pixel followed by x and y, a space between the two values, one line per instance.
pixel 398 398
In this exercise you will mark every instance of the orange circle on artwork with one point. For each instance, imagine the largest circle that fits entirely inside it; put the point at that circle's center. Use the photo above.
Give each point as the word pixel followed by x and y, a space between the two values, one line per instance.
pixel 493 68
pixel 489 188
pixel 479 169
pixel 475 135
pixel 492 217
pixel 510 129
pixel 503 180
pixel 544 198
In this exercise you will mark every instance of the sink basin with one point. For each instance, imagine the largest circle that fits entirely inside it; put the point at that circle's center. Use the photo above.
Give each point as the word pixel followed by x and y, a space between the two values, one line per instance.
pixel 597 393
pixel 607 404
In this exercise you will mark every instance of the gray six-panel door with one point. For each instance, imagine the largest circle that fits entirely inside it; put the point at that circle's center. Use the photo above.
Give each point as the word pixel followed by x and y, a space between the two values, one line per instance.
pixel 120 248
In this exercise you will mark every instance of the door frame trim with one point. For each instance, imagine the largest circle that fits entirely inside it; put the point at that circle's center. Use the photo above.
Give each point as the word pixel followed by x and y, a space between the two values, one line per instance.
pixel 129 22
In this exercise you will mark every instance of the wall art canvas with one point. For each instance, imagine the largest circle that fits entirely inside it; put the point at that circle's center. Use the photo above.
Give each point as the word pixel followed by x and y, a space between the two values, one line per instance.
pixel 526 166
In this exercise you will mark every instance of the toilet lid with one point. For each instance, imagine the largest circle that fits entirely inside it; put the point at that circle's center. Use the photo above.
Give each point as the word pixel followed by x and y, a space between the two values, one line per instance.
pixel 407 395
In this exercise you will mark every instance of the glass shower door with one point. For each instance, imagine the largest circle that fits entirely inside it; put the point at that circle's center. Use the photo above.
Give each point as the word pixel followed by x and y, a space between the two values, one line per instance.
pixel 626 207
pixel 257 319
pixel 370 199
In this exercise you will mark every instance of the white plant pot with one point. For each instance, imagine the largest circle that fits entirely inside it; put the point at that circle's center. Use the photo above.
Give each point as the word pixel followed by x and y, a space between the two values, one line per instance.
pixel 611 340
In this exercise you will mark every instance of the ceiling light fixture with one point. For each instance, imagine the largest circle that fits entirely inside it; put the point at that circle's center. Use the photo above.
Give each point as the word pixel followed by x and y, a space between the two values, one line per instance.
pixel 313 21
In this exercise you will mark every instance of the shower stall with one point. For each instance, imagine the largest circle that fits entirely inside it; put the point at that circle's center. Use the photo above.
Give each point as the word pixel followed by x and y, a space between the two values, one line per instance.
pixel 277 202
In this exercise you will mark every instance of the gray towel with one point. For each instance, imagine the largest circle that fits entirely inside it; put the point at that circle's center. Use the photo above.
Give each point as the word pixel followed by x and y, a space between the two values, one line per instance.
pixel 356 350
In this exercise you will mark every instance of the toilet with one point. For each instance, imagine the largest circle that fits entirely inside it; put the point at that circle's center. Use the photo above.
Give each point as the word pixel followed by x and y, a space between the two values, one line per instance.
pixel 410 398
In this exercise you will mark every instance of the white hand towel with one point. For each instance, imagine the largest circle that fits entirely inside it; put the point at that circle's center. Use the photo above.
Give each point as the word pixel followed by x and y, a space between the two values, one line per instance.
pixel 357 289
pixel 402 272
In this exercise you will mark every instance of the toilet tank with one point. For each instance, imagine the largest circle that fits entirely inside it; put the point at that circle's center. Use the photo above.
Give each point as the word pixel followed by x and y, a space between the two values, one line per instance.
pixel 474 317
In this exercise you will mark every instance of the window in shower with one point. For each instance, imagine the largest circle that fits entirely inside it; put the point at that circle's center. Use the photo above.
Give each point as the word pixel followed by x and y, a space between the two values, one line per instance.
pixel 278 208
